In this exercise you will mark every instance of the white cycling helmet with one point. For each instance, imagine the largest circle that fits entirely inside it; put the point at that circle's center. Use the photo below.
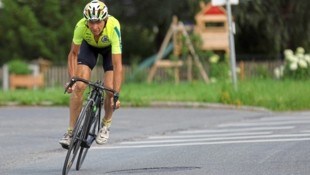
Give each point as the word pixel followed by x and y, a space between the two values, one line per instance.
pixel 95 11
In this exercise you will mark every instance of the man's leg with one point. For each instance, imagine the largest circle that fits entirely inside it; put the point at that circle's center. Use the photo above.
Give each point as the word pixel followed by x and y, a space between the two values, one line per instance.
pixel 76 101
pixel 108 101
pixel 108 110
pixel 76 98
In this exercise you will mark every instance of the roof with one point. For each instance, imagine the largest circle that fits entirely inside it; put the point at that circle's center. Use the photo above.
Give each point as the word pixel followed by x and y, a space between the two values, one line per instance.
pixel 211 10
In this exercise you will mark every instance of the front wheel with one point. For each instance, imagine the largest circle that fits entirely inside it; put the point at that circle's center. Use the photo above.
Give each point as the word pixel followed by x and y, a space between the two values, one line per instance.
pixel 91 136
pixel 77 138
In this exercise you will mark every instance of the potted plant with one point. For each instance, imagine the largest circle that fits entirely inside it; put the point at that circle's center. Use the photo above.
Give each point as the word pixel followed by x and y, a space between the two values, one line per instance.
pixel 18 67
pixel 20 75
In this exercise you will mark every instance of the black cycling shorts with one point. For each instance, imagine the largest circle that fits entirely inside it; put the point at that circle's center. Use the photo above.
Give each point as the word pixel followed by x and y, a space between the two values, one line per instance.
pixel 88 56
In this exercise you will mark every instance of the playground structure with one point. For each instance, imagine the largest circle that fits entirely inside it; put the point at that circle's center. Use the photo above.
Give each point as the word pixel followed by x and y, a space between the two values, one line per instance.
pixel 212 27
pixel 176 33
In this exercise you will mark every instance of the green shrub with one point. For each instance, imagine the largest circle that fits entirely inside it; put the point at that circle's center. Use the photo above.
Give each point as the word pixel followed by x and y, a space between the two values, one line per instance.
pixel 297 65
pixel 219 69
pixel 18 67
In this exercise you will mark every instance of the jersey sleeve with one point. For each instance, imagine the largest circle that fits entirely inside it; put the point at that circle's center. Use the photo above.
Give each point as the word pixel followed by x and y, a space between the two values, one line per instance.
pixel 116 40
pixel 78 34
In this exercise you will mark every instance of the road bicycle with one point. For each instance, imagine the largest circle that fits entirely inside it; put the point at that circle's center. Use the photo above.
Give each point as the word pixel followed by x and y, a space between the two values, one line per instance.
pixel 88 123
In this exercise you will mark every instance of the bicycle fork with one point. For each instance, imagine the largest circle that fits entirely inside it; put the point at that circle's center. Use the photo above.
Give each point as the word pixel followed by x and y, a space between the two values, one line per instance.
pixel 92 123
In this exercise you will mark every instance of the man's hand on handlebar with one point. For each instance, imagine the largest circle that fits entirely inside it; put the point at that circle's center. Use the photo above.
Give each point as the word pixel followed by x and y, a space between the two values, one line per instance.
pixel 70 89
pixel 118 104
pixel 70 86
pixel 115 101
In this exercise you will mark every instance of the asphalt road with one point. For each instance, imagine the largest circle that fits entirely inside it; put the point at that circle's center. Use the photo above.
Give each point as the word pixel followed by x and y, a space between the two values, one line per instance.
pixel 162 141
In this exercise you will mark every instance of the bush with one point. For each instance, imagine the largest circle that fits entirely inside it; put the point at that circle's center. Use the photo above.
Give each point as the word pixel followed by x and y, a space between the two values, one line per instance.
pixel 18 67
pixel 219 69
pixel 297 65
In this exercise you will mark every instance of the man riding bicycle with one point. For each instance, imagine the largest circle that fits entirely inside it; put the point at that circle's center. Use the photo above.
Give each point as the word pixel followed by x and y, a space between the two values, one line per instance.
pixel 96 33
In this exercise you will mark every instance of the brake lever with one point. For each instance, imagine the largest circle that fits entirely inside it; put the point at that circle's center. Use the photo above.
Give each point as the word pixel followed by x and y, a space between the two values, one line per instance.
pixel 72 81
pixel 115 99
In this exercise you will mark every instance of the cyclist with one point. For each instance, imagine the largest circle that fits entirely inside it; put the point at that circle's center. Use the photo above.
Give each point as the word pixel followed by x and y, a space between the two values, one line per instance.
pixel 96 33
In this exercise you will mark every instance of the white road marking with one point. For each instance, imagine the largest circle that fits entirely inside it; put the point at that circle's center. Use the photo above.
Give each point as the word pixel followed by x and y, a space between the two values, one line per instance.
pixel 209 135
pixel 201 143
pixel 237 130
pixel 259 131
pixel 218 138
pixel 285 118
pixel 265 123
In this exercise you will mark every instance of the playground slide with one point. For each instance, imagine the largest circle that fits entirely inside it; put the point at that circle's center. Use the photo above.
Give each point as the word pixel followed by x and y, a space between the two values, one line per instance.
pixel 150 60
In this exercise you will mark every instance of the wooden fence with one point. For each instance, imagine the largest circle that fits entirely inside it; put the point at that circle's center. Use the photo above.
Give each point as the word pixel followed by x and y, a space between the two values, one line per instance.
pixel 58 75
pixel 258 68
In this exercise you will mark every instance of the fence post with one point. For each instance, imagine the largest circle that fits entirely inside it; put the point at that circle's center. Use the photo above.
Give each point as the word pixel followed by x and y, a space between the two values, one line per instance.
pixel 5 83
pixel 35 72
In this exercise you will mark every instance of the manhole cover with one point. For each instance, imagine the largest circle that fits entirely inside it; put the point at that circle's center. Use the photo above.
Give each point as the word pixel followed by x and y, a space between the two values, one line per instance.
pixel 152 170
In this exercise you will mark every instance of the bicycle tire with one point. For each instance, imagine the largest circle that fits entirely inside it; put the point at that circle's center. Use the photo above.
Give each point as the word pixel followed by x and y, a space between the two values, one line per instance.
pixel 76 139
pixel 93 131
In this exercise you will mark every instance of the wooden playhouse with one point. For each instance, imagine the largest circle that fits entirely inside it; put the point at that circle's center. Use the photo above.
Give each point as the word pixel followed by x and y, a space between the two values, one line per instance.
pixel 212 27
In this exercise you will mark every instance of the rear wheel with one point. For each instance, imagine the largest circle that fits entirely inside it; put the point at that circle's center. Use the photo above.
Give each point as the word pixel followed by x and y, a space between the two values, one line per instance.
pixel 78 135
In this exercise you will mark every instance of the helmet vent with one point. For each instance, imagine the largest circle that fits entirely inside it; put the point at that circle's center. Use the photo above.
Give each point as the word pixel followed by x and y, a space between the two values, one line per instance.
pixel 94 11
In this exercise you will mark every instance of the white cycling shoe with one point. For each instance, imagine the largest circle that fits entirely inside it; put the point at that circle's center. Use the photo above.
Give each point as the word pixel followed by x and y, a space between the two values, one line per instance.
pixel 66 140
pixel 103 135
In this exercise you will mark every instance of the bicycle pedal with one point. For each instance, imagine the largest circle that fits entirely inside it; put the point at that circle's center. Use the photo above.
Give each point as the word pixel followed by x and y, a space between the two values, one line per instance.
pixel 65 146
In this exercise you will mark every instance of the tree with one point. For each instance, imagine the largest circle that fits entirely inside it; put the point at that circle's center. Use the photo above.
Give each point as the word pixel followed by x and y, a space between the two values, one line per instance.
pixel 145 23
pixel 35 28
pixel 269 27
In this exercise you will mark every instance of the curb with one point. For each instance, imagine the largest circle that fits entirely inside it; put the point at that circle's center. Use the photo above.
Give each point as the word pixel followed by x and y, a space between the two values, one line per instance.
pixel 171 104
pixel 206 105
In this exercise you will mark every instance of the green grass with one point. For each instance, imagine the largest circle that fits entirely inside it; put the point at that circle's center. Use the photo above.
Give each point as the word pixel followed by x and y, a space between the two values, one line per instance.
pixel 275 95
pixel 53 96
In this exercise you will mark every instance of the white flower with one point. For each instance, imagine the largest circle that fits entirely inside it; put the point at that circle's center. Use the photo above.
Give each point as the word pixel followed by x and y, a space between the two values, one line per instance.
pixel 293 66
pixel 292 59
pixel 300 55
pixel 293 62
pixel 279 71
pixel 214 58
pixel 307 58
pixel 288 53
pixel 302 63
pixel 300 50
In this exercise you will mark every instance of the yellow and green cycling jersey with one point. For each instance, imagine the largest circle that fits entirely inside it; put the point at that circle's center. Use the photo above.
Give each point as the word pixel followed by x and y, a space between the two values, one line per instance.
pixel 110 36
